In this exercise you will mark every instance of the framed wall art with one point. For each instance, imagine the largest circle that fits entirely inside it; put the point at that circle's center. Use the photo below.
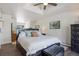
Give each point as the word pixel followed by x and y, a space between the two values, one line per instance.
pixel 37 26
pixel 54 25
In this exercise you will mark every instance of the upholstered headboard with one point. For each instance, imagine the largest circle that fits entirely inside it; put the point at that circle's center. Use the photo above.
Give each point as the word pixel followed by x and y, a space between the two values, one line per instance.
pixel 29 29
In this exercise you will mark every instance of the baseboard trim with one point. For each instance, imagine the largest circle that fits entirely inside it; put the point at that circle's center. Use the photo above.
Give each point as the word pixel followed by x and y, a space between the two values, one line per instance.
pixel 66 45
pixel 5 43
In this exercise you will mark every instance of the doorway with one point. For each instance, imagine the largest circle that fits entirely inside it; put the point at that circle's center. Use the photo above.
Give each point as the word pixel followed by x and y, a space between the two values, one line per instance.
pixel 13 35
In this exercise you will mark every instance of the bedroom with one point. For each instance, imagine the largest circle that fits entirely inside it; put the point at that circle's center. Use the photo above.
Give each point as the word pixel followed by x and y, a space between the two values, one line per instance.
pixel 29 15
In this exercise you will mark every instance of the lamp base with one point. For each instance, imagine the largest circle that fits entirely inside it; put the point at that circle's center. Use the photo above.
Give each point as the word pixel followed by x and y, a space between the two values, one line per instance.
pixel 43 33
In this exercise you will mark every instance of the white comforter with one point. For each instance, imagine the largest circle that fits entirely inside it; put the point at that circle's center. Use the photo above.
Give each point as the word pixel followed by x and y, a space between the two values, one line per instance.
pixel 34 44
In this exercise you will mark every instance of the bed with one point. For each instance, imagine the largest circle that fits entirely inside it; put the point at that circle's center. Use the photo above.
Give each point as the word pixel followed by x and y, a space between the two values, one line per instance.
pixel 34 45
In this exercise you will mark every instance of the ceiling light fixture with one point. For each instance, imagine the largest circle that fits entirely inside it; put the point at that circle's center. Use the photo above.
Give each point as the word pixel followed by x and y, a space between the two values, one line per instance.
pixel 45 3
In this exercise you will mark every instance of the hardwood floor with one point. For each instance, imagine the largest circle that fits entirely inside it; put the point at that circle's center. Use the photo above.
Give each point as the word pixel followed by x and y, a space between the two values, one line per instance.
pixel 68 52
pixel 11 50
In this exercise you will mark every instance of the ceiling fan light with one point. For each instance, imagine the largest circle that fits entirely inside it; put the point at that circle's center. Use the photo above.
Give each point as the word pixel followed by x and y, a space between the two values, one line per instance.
pixel 45 3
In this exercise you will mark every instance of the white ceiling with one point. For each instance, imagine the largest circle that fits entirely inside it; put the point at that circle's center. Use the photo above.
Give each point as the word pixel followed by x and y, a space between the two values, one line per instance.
pixel 28 11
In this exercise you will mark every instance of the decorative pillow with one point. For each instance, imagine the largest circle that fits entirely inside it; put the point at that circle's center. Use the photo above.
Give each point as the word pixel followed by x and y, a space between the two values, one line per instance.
pixel 34 34
pixel 28 33
pixel 39 33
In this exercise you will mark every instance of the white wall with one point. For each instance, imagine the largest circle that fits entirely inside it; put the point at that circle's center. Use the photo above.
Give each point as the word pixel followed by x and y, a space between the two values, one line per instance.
pixel 66 19
pixel 22 19
pixel 14 22
pixel 5 35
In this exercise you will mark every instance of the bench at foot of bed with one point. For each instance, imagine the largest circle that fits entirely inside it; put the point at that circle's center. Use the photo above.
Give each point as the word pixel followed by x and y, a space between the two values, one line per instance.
pixel 54 50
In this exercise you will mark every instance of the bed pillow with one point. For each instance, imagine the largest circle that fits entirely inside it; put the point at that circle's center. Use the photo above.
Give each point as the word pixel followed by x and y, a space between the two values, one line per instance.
pixel 39 33
pixel 34 34
pixel 22 34
pixel 28 33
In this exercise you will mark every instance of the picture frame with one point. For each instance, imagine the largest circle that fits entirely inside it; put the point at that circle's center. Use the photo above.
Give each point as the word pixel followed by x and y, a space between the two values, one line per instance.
pixel 54 25
pixel 37 26
pixel 20 26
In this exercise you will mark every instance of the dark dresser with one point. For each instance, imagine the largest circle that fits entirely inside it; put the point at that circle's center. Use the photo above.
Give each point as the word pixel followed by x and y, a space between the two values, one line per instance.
pixel 75 37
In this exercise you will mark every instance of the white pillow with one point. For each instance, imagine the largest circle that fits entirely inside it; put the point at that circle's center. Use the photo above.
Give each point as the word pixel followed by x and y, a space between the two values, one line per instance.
pixel 28 33
pixel 39 33
pixel 22 34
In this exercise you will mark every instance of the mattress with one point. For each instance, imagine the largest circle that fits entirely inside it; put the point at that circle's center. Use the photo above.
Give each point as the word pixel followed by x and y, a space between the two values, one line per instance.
pixel 34 44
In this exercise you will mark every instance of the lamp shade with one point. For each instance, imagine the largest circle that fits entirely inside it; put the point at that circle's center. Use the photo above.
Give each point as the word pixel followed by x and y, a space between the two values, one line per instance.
pixel 44 29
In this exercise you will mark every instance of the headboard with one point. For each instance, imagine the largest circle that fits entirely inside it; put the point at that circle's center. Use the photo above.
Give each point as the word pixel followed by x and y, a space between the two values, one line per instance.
pixel 28 29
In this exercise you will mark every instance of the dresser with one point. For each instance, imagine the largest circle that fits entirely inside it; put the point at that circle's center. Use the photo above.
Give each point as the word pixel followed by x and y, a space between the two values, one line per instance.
pixel 75 37
pixel 13 37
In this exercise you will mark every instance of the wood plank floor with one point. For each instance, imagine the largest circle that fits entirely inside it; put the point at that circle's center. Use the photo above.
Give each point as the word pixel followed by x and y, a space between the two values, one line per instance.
pixel 11 50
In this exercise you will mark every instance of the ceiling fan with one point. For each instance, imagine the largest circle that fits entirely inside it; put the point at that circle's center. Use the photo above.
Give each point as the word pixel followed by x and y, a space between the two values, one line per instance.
pixel 45 4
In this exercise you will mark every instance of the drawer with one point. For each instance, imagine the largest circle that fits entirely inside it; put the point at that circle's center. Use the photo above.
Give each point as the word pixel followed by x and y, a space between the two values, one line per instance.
pixel 75 48
pixel 75 42
pixel 75 38
pixel 13 37
pixel 75 34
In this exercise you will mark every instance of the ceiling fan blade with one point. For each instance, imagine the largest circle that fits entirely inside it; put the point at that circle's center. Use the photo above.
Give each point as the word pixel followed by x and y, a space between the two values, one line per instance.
pixel 44 7
pixel 54 4
pixel 37 4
